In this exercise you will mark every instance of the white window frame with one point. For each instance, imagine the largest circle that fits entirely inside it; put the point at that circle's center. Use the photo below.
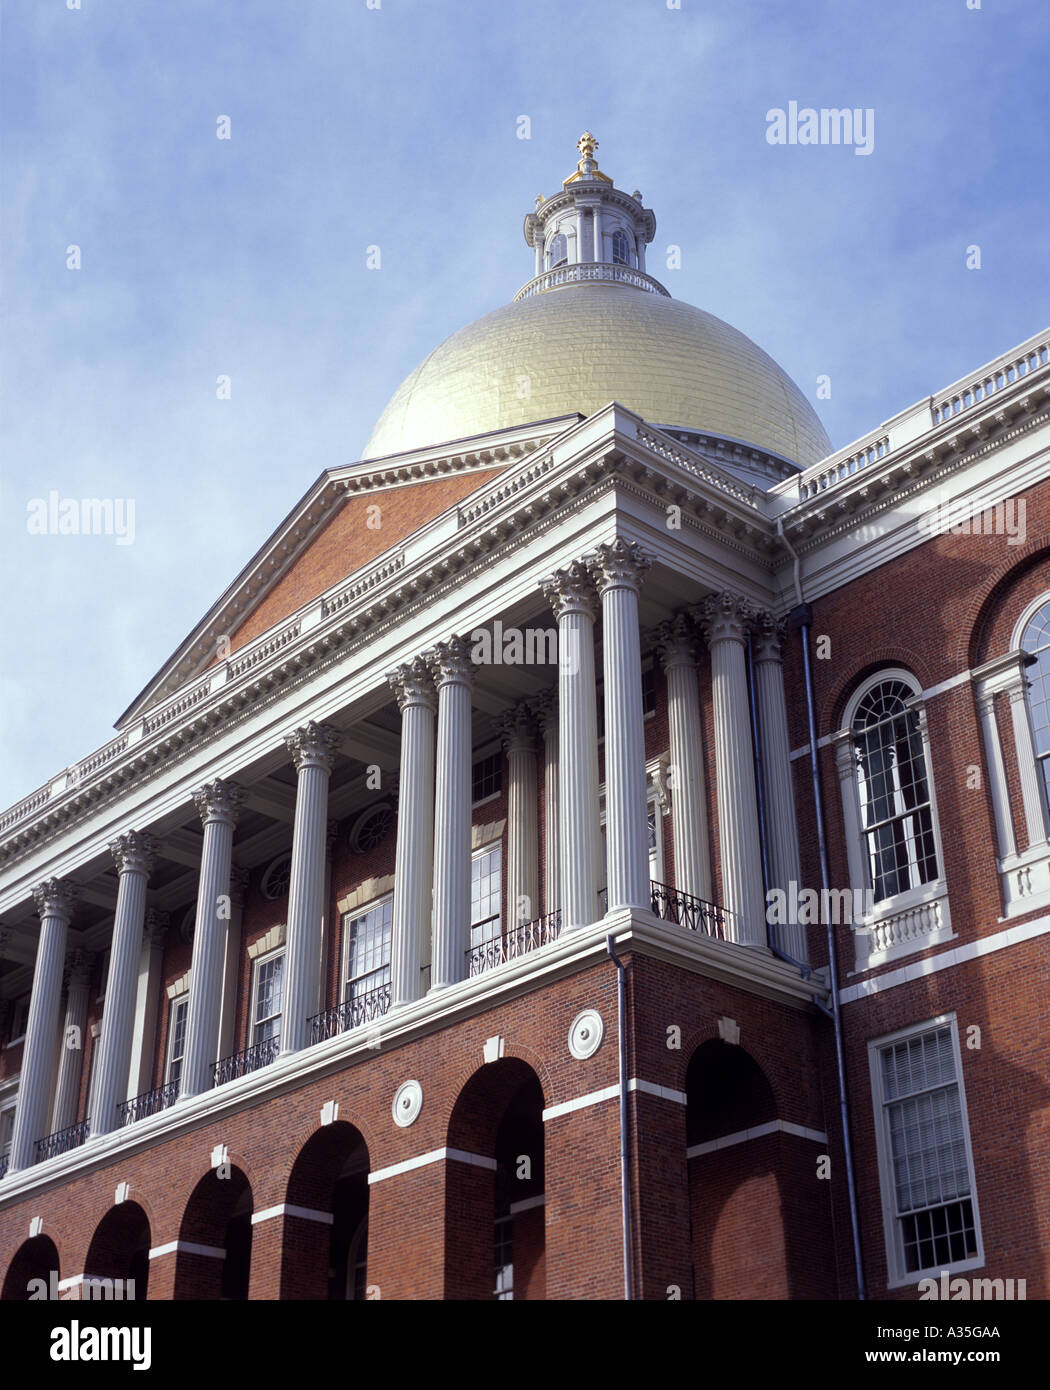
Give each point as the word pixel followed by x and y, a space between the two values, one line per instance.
pixel 177 1002
pixel 1026 753
pixel 897 1276
pixel 17 1038
pixel 353 915
pixel 8 1105
pixel 253 1022
pixel 480 755
pixel 480 853
pixel 920 917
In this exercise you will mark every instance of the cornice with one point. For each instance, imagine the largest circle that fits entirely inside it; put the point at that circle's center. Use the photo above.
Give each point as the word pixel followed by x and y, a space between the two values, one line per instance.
pixel 754 971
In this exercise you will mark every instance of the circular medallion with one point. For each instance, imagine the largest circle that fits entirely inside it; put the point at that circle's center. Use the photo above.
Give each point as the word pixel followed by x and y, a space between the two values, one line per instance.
pixel 408 1102
pixel 586 1033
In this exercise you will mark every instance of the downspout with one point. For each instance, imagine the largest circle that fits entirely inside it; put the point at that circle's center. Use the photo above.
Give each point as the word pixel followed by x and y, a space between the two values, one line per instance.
pixel 802 618
pixel 625 1191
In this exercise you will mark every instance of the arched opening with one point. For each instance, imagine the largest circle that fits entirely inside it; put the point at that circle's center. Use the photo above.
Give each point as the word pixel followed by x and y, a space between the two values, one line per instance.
pixel 215 1255
pixel 33 1274
pixel 494 1212
pixel 327 1259
pixel 118 1257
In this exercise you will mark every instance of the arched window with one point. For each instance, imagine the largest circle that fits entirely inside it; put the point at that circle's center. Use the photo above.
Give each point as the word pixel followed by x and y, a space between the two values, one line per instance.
pixel 894 788
pixel 558 251
pixel 1036 641
pixel 621 247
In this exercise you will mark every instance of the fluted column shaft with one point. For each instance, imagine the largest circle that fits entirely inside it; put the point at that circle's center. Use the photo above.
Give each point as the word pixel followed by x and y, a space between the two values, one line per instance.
pixel 313 749
pixel 147 1004
pixel 523 883
pixel 618 570
pixel 54 901
pixel 726 619
pixel 414 865
pixel 71 1056
pixel 219 805
pixel 452 672
pixel 548 714
pixel 778 785
pixel 571 595
pixel 134 855
pixel 692 860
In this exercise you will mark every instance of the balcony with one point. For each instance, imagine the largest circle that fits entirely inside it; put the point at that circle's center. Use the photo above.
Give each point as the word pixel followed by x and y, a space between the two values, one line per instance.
pixel 672 905
pixel 251 1059
pixel 514 943
pixel 352 1013
pixel 149 1103
pixel 61 1141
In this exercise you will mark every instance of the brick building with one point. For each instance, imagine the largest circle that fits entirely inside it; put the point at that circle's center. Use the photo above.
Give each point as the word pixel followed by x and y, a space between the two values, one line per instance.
pixel 574 810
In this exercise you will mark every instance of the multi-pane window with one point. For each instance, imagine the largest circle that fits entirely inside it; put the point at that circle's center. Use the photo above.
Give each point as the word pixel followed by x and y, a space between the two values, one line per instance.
pixel 7 1129
pixel 19 1018
pixel 559 250
pixel 486 777
pixel 266 1010
pixel 367 950
pixel 926 1148
pixel 621 247
pixel 1036 640
pixel 180 1009
pixel 485 896
pixel 503 1250
pixel 894 788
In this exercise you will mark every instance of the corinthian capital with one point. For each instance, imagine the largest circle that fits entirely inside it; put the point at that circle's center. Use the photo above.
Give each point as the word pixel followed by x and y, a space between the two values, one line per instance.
pixel 518 729
pixel 412 684
pixel 724 617
pixel 675 640
pixel 79 965
pixel 156 927
pixel 620 565
pixel 55 897
pixel 219 801
pixel 571 590
pixel 135 852
pixel 450 662
pixel 768 637
pixel 314 745
pixel 545 709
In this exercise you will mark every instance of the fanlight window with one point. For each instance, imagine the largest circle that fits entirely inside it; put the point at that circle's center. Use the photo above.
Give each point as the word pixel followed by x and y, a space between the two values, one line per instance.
pixel 896 815
pixel 621 248
pixel 1036 640
pixel 559 250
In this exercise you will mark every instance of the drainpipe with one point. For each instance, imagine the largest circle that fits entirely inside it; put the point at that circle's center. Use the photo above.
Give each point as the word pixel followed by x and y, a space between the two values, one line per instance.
pixel 625 1191
pixel 802 618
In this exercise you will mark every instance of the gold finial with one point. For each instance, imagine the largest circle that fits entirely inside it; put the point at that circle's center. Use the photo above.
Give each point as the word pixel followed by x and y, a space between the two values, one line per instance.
pixel 587 144
pixel 587 168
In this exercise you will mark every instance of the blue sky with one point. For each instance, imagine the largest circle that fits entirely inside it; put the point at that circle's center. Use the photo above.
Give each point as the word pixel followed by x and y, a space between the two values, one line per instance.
pixel 397 127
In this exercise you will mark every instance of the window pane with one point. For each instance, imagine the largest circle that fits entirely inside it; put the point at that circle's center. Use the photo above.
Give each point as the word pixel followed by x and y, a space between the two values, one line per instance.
pixel 485 896
pixel 368 949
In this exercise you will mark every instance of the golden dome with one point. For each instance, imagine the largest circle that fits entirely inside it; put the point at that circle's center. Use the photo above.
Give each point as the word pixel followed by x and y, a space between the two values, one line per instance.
pixel 578 347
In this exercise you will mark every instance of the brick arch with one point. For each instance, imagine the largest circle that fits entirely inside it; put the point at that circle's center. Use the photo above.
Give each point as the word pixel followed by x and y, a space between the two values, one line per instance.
pixel 35 1258
pixel 464 1074
pixel 695 1038
pixel 117 1250
pixel 307 1125
pixel 318 1182
pixel 971 649
pixel 830 707
pixel 206 1218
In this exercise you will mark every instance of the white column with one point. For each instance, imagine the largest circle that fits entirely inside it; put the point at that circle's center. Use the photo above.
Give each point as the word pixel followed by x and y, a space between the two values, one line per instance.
pixel 640 243
pixel 692 859
pixel 618 570
pixel 778 786
pixel 856 845
pixel 134 854
pixel 546 707
pixel 1034 818
pixel 997 783
pixel 414 863
pixel 598 252
pixel 538 235
pixel 581 217
pixel 571 595
pixel 79 965
pixel 219 805
pixel 452 672
pixel 523 882
pixel 725 619
pixel 147 1004
pixel 313 750
pixel 231 965
pixel 54 901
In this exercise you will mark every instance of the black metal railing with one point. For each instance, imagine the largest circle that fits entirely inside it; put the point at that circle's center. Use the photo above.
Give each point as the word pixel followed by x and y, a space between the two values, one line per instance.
pixel 261 1054
pixel 352 1013
pixel 62 1141
pixel 518 941
pixel 672 905
pixel 149 1103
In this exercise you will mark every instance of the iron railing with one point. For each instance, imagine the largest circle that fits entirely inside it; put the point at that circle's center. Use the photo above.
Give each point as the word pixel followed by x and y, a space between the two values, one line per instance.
pixel 515 942
pixel 672 905
pixel 261 1054
pixel 149 1103
pixel 62 1141
pixel 351 1013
